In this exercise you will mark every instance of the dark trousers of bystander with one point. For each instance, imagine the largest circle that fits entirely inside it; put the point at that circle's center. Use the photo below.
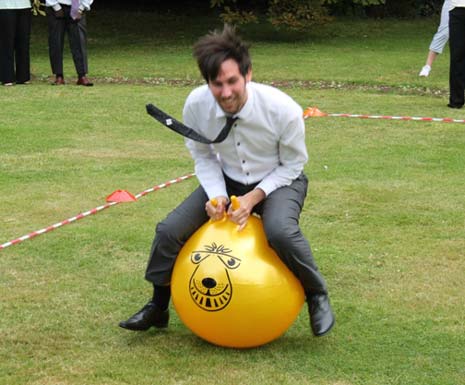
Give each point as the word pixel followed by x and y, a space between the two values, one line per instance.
pixel 77 35
pixel 457 57
pixel 15 32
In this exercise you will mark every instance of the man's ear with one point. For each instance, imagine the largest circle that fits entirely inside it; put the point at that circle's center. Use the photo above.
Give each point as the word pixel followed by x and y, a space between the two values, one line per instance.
pixel 248 76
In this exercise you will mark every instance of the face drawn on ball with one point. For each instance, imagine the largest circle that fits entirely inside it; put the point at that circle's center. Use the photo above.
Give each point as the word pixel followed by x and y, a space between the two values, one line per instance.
pixel 212 291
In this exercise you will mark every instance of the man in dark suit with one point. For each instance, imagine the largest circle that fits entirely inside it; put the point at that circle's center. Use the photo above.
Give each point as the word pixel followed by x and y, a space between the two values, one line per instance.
pixel 68 16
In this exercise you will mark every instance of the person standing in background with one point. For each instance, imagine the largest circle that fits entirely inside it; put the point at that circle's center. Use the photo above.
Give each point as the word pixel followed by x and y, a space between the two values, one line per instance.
pixel 439 39
pixel 15 33
pixel 68 16
pixel 457 54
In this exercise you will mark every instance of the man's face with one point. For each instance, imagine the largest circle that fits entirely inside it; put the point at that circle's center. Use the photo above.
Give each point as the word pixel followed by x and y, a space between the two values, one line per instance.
pixel 229 87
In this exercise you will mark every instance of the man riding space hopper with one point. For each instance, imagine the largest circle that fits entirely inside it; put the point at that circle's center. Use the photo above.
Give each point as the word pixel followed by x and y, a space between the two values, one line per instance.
pixel 254 148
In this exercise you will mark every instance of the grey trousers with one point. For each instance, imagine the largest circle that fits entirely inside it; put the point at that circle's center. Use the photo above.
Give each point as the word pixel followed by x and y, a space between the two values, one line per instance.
pixel 280 213
pixel 77 35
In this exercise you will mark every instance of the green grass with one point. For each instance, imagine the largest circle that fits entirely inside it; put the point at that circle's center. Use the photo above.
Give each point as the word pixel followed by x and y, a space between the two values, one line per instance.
pixel 384 213
pixel 151 47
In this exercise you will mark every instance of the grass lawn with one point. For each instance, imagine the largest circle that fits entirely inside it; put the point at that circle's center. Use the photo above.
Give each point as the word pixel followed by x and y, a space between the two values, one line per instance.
pixel 384 212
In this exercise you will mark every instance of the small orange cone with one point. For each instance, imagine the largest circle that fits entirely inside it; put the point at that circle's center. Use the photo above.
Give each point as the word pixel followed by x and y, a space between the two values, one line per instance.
pixel 121 196
pixel 312 112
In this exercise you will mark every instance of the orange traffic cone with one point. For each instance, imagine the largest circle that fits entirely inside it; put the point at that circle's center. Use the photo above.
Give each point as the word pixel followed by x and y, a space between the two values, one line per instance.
pixel 121 196
pixel 311 112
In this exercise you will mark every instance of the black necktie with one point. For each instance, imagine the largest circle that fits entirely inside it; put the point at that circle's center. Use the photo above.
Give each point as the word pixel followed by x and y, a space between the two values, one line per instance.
pixel 188 132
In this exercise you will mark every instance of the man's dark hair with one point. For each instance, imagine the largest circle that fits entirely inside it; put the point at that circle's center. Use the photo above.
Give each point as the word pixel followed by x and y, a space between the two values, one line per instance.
pixel 216 47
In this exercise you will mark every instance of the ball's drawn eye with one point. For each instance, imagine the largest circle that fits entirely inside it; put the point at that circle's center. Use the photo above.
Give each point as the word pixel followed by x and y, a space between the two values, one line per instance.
pixel 231 262
pixel 198 257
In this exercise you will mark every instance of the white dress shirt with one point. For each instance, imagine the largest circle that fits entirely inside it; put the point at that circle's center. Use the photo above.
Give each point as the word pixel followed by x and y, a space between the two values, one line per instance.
pixel 266 144
pixel 84 5
pixel 15 4
pixel 457 3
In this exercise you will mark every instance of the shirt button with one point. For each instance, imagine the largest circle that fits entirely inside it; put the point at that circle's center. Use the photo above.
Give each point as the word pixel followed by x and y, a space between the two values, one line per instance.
pixel 248 173
pixel 243 161
pixel 238 143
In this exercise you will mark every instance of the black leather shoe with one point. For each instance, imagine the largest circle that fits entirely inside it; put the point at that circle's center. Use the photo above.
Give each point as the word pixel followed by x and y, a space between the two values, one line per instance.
pixel 321 315
pixel 458 106
pixel 150 315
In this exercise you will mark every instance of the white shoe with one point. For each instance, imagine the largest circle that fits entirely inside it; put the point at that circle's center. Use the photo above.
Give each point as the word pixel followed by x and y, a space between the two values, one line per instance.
pixel 425 70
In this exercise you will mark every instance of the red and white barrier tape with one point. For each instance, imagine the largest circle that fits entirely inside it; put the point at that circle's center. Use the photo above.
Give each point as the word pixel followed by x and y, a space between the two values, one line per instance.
pixel 90 212
pixel 311 112
pixel 425 119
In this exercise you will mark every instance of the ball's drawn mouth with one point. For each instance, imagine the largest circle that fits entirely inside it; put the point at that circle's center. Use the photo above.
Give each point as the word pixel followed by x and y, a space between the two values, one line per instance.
pixel 208 294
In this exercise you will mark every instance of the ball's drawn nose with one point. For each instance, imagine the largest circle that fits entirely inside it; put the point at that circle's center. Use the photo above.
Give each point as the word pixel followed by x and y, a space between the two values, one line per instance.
pixel 209 283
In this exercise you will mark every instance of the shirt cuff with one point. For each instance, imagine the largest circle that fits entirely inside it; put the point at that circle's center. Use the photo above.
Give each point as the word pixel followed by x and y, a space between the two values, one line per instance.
pixel 266 186
pixel 56 7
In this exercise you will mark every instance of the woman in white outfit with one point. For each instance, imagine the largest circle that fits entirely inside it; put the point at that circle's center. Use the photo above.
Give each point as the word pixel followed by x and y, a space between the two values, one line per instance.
pixel 440 39
pixel 15 32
